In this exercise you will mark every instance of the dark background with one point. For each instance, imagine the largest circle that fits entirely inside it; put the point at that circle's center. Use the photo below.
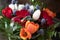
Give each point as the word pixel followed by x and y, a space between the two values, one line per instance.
pixel 53 5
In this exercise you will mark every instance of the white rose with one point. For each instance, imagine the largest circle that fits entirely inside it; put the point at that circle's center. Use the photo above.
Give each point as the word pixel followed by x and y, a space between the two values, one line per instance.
pixel 36 14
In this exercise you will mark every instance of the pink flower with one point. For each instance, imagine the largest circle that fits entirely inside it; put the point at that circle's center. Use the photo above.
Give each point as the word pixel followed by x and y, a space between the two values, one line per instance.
pixel 7 12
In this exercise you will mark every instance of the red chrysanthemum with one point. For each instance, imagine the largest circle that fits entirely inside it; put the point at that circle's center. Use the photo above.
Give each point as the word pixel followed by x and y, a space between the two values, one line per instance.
pixel 47 17
pixel 23 13
pixel 7 12
pixel 18 20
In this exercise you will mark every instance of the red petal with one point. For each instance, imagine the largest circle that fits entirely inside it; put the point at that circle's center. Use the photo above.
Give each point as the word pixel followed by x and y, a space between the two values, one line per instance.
pixel 47 17
pixel 23 13
pixel 7 12
pixel 16 19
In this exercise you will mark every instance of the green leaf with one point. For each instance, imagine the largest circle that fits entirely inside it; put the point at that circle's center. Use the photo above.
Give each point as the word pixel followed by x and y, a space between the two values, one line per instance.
pixel 59 34
pixel 6 25
pixel 57 24
pixel 55 34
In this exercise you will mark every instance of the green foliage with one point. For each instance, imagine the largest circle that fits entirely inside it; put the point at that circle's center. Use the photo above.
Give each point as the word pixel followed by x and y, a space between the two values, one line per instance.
pixel 0 11
pixel 37 2
pixel 12 32
pixel 8 30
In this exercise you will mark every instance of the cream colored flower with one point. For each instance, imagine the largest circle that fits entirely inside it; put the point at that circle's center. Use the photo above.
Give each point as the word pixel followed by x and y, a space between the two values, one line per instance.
pixel 1 17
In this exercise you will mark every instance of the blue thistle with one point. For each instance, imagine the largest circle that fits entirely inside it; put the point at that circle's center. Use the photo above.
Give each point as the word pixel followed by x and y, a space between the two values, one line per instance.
pixel 41 31
pixel 14 12
pixel 27 6
pixel 37 7
pixel 31 11
pixel 43 21
pixel 14 1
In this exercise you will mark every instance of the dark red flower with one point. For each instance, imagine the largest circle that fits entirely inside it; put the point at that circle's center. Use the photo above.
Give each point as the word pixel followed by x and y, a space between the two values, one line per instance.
pixel 16 19
pixel 23 13
pixel 47 17
pixel 19 16
pixel 7 12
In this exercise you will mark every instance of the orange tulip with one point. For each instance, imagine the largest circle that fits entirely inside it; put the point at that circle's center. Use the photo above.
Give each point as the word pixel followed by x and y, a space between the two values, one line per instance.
pixel 25 34
pixel 50 13
pixel 31 27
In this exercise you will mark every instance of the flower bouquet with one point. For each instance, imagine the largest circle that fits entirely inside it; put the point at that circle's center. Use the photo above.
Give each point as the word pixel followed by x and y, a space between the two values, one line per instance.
pixel 28 22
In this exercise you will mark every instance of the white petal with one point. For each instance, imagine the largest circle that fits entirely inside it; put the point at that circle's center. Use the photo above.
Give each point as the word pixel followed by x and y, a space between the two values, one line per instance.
pixel 31 7
pixel 11 6
pixel 20 7
pixel 15 6
pixel 36 14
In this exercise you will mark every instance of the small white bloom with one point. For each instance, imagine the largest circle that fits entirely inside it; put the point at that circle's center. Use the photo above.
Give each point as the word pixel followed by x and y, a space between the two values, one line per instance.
pixel 31 7
pixel 36 14
pixel 12 6
pixel 20 7
pixel 1 17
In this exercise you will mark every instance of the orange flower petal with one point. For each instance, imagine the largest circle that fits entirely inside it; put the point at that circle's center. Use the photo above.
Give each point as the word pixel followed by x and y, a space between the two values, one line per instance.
pixel 27 23
pixel 24 34
pixel 50 13
pixel 31 27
